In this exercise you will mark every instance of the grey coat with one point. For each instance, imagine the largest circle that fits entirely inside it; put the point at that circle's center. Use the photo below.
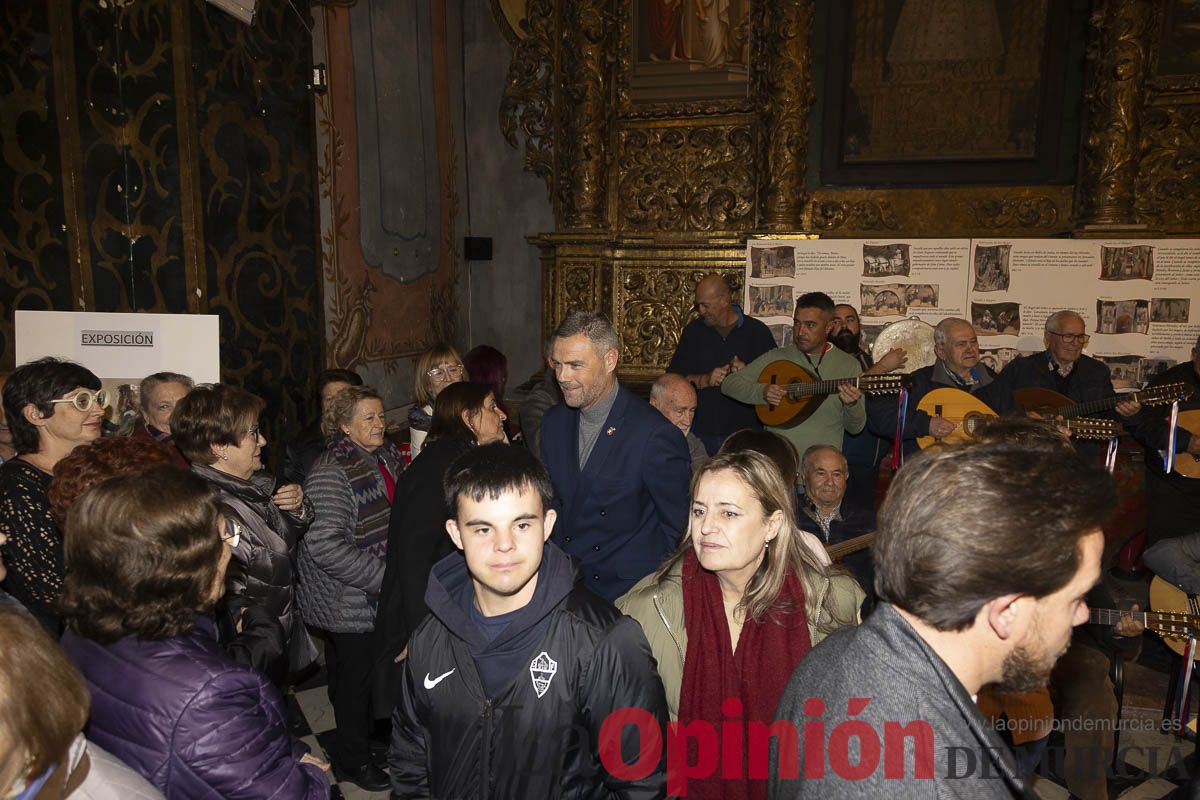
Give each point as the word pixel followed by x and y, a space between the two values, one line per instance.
pixel 261 569
pixel 335 576
pixel 884 661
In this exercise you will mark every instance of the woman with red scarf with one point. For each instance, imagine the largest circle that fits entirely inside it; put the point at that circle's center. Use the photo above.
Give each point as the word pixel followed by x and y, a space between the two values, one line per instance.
pixel 739 604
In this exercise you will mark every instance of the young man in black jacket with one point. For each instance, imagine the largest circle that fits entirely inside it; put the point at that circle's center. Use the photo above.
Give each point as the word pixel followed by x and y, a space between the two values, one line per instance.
pixel 509 680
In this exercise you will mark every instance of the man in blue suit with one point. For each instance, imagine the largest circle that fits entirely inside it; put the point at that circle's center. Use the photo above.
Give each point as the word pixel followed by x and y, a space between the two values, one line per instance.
pixel 620 469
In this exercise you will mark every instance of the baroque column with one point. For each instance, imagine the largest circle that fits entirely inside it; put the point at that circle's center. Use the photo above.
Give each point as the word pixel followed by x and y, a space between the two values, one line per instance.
pixel 786 92
pixel 586 78
pixel 1118 53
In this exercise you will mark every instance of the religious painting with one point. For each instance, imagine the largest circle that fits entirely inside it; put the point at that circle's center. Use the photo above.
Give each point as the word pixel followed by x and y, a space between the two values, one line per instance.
pixel 1179 47
pixel 689 50
pixel 950 91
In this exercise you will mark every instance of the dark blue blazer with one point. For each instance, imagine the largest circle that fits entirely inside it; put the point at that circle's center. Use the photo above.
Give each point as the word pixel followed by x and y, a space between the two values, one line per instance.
pixel 624 512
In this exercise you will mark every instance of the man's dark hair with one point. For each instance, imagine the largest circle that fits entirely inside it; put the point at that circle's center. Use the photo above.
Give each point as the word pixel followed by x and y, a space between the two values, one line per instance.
pixel 964 525
pixel 493 469
pixel 818 300
pixel 770 444
pixel 40 382
pixel 329 376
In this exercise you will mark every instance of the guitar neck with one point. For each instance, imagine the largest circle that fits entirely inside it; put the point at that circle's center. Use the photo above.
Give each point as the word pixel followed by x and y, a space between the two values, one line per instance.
pixel 861 542
pixel 1105 403
pixel 1160 622
pixel 866 383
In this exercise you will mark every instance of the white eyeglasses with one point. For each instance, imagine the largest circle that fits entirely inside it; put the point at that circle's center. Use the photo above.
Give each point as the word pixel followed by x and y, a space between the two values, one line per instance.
pixel 84 399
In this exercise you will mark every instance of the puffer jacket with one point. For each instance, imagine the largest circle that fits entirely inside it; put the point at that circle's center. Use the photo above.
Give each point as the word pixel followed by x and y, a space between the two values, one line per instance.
pixel 658 607
pixel 335 576
pixel 190 720
pixel 261 571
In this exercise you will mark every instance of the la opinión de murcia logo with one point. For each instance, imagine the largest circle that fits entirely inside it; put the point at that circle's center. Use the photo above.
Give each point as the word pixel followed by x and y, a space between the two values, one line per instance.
pixel 116 338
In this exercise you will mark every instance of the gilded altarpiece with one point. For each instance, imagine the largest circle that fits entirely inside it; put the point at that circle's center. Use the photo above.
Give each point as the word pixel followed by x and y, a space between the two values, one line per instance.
pixel 667 141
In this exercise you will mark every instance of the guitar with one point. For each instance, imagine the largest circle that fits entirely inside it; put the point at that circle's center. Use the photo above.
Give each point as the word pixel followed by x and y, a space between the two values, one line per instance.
pixel 843 549
pixel 1176 614
pixel 1187 464
pixel 966 411
pixel 802 387
pixel 1050 403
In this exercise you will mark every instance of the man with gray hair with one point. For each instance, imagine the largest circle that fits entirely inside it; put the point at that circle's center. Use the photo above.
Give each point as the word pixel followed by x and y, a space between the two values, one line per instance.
pixel 957 367
pixel 1064 368
pixel 675 399
pixel 829 514
pixel 620 469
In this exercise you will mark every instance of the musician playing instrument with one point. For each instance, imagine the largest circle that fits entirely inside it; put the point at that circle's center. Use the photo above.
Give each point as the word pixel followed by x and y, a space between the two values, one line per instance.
pixel 1064 368
pixel 1173 500
pixel 811 350
pixel 958 366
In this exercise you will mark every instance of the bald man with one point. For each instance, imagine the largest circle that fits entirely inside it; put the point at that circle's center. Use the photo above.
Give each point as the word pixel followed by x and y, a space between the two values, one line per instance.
pixel 1066 369
pixel 675 399
pixel 957 367
pixel 721 341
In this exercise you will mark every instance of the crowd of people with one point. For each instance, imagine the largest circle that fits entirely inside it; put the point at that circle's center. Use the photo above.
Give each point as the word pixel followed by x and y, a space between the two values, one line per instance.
pixel 595 596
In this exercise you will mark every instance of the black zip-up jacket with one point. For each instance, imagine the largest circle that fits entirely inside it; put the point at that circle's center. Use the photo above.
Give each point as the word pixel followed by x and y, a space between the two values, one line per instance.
pixel 539 736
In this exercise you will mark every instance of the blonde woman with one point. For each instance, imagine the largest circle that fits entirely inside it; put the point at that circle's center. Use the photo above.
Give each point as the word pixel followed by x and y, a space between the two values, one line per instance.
pixel 436 368
pixel 741 601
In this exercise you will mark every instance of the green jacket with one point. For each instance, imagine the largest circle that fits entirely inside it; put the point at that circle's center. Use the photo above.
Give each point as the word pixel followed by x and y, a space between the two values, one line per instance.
pixel 658 607
pixel 829 422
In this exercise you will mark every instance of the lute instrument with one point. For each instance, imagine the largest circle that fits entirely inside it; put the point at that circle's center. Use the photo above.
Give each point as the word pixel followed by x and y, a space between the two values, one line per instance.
pixel 1176 615
pixel 806 391
pixel 1187 464
pixel 1050 403
pixel 967 411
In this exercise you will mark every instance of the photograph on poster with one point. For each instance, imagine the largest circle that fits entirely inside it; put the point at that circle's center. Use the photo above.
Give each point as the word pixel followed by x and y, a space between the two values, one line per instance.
pixel 998 359
pixel 1151 368
pixel 1170 309
pixel 782 334
pixel 772 262
pixel 882 300
pixel 886 259
pixel 1124 369
pixel 921 295
pixel 996 319
pixel 1132 263
pixel 991 268
pixel 770 301
pixel 1122 316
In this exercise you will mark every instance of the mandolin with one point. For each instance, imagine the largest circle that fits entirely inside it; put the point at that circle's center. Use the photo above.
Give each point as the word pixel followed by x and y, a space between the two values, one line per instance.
pixel 1176 615
pixel 805 391
pixel 1048 402
pixel 966 411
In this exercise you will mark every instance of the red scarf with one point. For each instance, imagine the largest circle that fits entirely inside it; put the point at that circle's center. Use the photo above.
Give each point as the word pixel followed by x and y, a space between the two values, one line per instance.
pixel 756 673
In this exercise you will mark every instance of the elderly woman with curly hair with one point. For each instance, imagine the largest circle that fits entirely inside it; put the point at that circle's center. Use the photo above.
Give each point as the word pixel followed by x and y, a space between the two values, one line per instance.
pixel 52 407
pixel 342 563
pixel 146 557
pixel 217 429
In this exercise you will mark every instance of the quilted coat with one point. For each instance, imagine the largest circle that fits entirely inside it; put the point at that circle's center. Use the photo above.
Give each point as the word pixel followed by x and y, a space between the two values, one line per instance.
pixel 192 721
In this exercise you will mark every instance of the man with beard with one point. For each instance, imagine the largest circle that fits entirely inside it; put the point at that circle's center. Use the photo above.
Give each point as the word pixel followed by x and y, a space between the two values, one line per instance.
pixel 970 594
pixel 958 367
pixel 863 450
pixel 720 342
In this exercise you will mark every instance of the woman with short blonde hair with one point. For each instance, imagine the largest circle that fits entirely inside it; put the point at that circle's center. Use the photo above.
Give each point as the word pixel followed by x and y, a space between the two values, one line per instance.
pixel 436 368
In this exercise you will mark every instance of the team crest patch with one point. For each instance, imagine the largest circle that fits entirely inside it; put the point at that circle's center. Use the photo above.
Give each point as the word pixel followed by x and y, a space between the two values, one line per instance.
pixel 542 669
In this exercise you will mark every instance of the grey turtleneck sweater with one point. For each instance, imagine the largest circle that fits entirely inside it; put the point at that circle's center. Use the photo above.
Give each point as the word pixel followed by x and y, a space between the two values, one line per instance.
pixel 591 420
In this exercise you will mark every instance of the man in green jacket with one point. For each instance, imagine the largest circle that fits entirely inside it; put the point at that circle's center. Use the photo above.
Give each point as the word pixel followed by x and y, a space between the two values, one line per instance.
pixel 811 349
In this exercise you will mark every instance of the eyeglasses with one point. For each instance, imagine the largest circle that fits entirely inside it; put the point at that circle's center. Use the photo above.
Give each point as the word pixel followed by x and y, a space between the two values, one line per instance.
pixel 232 534
pixel 453 372
pixel 253 433
pixel 85 398
pixel 1072 338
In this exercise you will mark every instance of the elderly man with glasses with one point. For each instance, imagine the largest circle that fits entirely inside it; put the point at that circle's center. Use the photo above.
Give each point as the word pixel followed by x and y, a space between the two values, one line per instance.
pixel 1063 367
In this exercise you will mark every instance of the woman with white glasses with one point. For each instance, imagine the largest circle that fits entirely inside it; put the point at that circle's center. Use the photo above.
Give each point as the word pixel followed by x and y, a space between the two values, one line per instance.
pixel 52 407
pixel 436 368
pixel 216 429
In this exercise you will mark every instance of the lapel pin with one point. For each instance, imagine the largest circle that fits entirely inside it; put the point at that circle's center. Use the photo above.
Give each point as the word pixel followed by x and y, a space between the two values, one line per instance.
pixel 611 431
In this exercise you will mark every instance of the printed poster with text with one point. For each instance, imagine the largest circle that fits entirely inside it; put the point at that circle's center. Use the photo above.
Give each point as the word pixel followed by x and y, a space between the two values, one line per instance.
pixel 886 279
pixel 1139 298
